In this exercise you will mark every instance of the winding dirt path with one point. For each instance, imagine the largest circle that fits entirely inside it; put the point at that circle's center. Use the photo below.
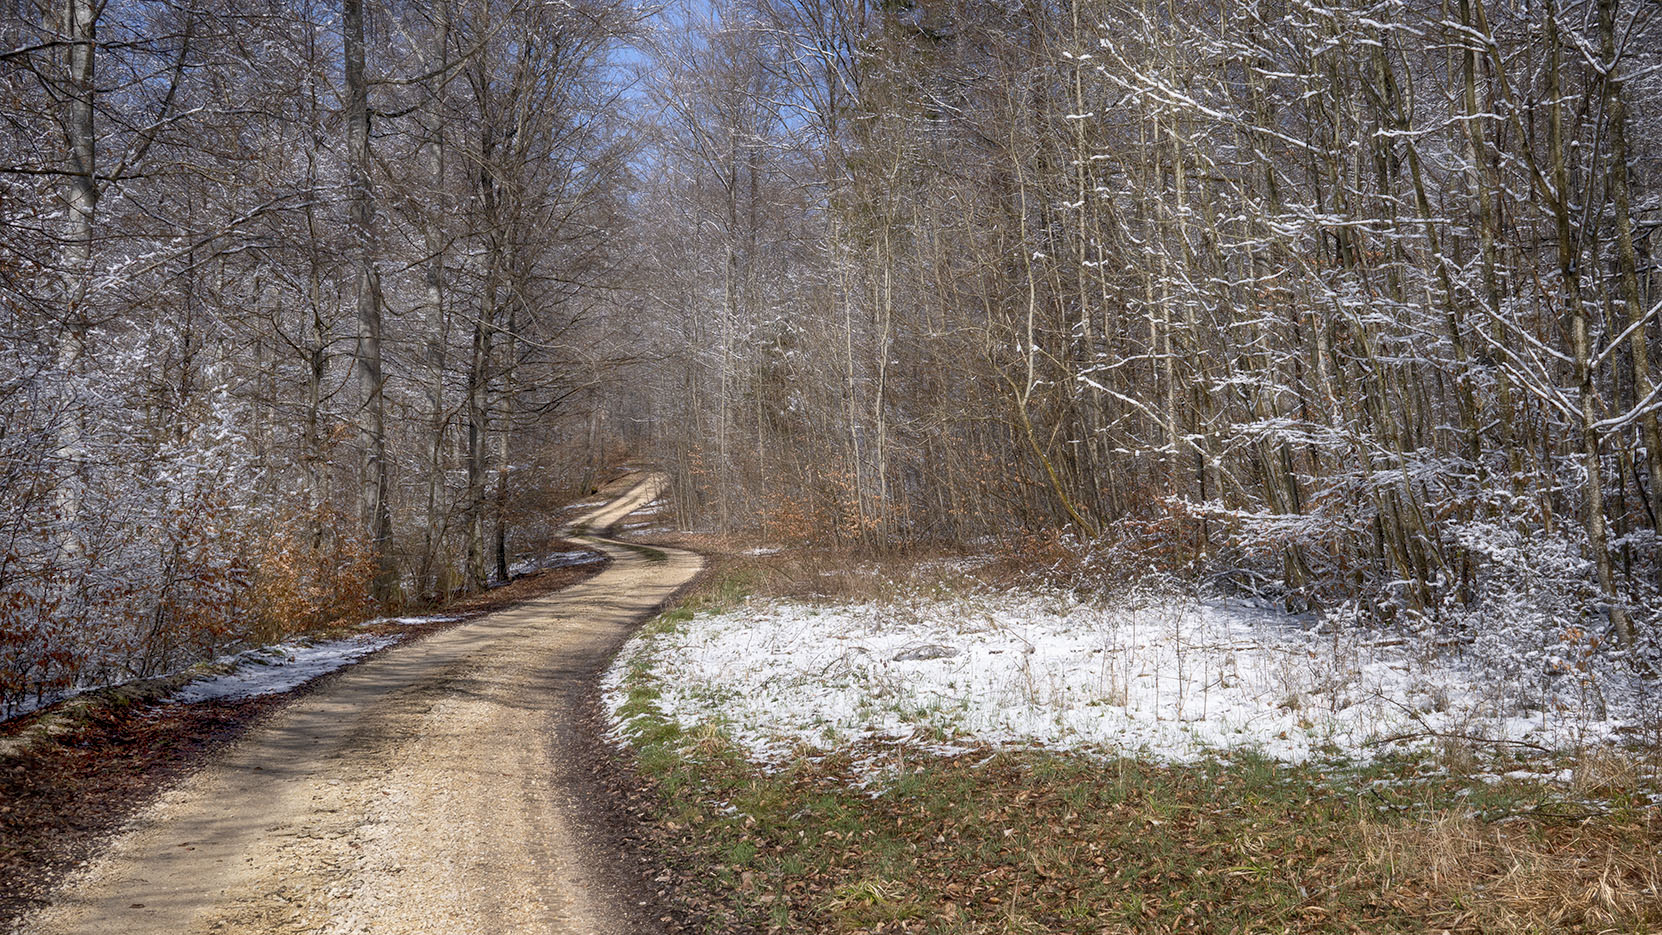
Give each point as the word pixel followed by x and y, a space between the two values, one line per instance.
pixel 430 789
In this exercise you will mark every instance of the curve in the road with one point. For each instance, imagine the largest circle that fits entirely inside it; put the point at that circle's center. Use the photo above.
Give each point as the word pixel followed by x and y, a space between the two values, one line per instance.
pixel 429 789
pixel 641 489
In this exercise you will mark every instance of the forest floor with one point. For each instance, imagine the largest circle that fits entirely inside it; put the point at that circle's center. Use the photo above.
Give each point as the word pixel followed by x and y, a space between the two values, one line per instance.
pixel 451 783
pixel 943 827
pixel 480 779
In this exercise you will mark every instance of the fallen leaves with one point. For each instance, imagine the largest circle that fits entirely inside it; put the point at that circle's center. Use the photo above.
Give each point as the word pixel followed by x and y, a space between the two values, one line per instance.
pixel 1034 842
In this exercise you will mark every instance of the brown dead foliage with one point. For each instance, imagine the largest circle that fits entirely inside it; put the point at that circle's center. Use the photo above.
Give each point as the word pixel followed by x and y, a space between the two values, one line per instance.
pixel 1601 873
pixel 85 766
pixel 1018 842
pixel 58 798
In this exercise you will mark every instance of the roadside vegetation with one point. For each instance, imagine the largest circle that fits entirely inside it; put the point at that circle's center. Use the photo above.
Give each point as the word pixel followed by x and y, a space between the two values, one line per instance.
pixel 76 770
pixel 953 835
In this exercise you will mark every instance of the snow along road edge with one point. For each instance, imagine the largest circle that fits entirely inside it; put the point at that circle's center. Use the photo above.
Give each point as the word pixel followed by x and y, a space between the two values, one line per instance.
pixel 429 789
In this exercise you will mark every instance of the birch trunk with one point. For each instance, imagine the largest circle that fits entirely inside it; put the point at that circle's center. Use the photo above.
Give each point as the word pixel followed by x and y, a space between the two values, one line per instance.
pixel 80 31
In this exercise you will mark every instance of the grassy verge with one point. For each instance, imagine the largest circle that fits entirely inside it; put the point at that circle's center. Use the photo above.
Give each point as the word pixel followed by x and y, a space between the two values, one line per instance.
pixel 1033 841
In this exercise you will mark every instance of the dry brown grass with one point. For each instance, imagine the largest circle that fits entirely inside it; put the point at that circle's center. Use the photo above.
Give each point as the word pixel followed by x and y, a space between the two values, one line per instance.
pixel 805 573
pixel 1524 877
pixel 1603 772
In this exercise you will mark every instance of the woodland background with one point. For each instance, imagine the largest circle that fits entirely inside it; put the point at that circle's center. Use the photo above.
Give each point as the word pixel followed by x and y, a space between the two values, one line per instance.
pixel 307 309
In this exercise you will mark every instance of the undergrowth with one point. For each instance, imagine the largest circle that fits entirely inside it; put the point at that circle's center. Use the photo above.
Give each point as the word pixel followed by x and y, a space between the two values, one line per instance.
pixel 882 838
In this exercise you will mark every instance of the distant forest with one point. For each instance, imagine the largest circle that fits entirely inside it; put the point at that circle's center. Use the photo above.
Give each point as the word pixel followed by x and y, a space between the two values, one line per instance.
pixel 307 309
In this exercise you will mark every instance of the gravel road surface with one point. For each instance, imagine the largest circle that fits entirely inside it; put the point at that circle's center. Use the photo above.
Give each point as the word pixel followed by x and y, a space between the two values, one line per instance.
pixel 429 789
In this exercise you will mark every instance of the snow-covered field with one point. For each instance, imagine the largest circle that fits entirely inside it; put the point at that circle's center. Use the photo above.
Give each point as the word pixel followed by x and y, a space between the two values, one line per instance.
pixel 1150 675
pixel 279 668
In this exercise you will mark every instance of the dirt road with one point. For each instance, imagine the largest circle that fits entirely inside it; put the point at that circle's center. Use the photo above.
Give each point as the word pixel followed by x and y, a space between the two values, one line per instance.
pixel 428 790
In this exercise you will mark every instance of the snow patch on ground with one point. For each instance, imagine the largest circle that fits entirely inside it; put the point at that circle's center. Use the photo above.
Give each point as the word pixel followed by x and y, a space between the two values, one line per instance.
pixel 279 668
pixel 552 560
pixel 46 700
pixel 1158 676
pixel 413 621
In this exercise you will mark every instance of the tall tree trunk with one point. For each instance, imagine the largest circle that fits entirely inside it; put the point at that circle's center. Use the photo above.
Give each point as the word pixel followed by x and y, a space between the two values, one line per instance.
pixel 1488 231
pixel 1627 260
pixel 436 527
pixel 79 29
pixel 476 430
pixel 361 206
pixel 1587 394
pixel 503 433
